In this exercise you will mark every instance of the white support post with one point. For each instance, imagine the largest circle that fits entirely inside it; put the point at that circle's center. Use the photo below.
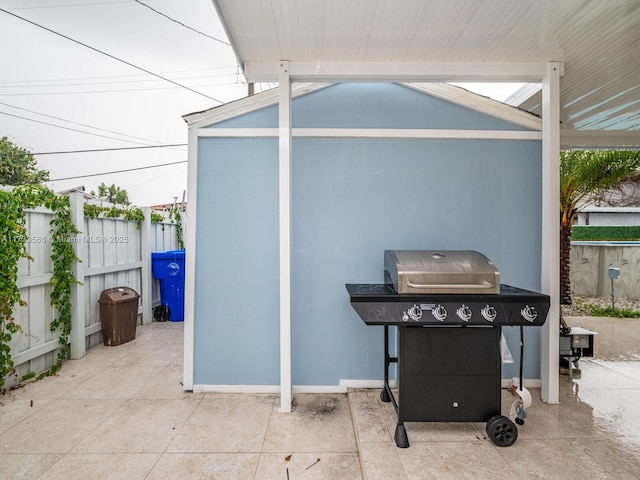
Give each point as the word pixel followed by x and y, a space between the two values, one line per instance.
pixel 146 275
pixel 190 267
pixel 284 150
pixel 550 271
pixel 77 335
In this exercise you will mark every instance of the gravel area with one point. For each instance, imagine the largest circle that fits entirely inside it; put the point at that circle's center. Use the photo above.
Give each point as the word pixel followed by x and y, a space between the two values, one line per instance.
pixel 580 307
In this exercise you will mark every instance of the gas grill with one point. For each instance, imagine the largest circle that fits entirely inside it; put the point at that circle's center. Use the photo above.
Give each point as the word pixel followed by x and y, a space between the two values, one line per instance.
pixel 449 307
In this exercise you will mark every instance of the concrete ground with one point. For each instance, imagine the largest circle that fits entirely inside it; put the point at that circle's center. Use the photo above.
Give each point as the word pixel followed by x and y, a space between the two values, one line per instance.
pixel 120 412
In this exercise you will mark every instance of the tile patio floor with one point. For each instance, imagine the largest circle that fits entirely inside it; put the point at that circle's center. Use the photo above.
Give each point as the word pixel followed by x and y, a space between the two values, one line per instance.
pixel 120 412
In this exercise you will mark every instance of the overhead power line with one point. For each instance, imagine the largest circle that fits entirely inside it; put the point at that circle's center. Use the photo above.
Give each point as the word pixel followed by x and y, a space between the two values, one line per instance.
pixel 79 83
pixel 64 5
pixel 109 55
pixel 117 171
pixel 112 149
pixel 83 125
pixel 180 23
pixel 81 131
pixel 128 76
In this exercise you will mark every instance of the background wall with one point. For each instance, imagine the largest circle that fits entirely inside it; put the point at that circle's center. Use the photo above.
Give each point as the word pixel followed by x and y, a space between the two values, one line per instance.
pixel 590 262
pixel 352 199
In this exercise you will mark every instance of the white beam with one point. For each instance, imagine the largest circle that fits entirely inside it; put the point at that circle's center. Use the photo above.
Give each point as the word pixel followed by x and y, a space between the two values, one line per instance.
pixel 284 156
pixel 607 139
pixel 550 269
pixel 397 71
pixel 190 261
pixel 371 133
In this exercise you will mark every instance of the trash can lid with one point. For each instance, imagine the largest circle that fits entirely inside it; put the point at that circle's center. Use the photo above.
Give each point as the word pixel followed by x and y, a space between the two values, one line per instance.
pixel 118 295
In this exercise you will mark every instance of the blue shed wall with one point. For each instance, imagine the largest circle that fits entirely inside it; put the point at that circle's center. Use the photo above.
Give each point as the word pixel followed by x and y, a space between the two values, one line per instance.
pixel 236 312
pixel 352 199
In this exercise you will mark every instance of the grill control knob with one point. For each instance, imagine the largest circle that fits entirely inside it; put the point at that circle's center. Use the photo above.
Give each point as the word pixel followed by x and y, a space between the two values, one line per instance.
pixel 489 313
pixel 405 317
pixel 415 313
pixel 439 313
pixel 464 313
pixel 529 313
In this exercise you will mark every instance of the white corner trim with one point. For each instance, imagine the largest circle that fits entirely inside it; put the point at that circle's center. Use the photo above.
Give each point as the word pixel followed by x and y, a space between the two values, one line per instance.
pixel 190 263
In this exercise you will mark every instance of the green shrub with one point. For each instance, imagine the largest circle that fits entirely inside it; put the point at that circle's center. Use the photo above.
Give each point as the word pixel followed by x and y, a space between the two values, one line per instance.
pixel 613 312
pixel 605 233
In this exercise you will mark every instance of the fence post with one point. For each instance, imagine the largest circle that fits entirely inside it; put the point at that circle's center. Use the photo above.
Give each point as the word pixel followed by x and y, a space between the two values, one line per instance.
pixel 77 336
pixel 146 272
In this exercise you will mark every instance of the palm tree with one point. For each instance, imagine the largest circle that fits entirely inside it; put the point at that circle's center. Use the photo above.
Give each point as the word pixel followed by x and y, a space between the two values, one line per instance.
pixel 585 175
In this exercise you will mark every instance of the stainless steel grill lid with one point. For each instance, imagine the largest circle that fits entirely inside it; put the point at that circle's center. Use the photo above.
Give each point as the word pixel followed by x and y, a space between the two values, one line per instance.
pixel 440 271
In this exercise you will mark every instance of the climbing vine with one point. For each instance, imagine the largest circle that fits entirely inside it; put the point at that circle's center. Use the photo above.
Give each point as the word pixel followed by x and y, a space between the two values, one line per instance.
pixel 174 215
pixel 156 217
pixel 13 235
pixel 133 214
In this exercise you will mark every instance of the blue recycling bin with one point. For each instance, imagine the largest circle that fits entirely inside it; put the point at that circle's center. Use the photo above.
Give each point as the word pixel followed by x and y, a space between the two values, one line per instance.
pixel 168 268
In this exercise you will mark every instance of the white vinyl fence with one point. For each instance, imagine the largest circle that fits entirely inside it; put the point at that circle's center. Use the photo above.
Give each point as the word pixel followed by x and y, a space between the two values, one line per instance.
pixel 590 262
pixel 113 253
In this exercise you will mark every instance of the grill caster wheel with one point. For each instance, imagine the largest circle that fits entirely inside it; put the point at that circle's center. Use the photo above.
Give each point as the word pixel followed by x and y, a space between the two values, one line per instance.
pixel 519 421
pixel 502 431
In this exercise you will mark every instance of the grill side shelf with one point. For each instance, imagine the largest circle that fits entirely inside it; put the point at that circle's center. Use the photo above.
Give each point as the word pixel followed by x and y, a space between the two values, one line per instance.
pixel 378 304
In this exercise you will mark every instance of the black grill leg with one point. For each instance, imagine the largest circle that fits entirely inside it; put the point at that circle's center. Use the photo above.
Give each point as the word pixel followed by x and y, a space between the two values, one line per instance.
pixel 402 441
pixel 384 396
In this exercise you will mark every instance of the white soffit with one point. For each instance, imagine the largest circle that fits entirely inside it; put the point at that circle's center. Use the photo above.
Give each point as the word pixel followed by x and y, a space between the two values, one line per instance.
pixel 455 40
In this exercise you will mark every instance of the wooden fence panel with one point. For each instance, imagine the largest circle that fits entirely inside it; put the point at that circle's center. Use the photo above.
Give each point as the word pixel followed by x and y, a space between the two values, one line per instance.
pixel 114 253
pixel 33 348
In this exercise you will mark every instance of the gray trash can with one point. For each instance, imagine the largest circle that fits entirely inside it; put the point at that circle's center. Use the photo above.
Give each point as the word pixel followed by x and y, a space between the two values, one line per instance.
pixel 119 315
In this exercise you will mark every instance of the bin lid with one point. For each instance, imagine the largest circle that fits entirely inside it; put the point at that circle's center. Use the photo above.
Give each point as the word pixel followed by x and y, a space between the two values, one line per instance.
pixel 168 255
pixel 118 295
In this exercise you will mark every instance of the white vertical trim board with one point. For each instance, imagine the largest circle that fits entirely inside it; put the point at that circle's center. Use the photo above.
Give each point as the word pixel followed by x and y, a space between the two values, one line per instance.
pixel 190 262
pixel 550 268
pixel 284 189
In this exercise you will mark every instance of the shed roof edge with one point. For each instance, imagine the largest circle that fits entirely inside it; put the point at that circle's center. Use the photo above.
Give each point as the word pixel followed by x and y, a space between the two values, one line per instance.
pixel 444 91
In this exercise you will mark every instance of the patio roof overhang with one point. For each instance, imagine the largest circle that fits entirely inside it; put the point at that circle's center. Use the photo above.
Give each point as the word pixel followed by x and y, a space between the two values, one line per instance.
pixel 461 41
pixel 532 41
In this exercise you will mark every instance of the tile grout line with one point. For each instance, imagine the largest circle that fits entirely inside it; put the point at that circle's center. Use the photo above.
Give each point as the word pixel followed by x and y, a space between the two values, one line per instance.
pixel 264 438
pixel 363 470
pixel 164 452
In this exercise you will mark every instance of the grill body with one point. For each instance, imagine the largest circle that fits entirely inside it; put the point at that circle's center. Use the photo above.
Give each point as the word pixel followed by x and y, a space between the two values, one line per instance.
pixel 449 374
pixel 440 271
pixel 449 309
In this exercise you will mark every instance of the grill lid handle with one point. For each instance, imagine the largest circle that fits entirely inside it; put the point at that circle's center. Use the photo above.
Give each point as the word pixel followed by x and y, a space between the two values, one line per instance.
pixel 481 286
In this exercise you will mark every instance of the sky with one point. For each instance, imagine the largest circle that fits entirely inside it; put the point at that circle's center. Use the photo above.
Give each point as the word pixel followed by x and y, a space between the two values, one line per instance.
pixel 111 76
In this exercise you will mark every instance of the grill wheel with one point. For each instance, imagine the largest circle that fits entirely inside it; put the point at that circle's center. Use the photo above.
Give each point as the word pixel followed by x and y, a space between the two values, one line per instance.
pixel 502 431
pixel 161 313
